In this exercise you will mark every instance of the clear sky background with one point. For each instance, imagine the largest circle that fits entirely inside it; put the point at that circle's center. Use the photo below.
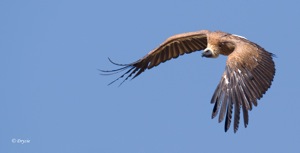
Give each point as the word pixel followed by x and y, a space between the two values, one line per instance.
pixel 51 92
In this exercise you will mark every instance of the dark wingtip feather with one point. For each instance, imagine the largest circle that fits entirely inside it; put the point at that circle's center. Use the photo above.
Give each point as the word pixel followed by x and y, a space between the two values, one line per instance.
pixel 117 63
pixel 110 72
pixel 273 55
pixel 132 70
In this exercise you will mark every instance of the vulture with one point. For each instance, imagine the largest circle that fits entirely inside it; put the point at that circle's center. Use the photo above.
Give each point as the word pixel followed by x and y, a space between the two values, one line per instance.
pixel 248 74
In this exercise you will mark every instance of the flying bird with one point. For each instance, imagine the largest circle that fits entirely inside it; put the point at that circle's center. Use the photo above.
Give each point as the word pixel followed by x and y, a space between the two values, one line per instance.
pixel 248 74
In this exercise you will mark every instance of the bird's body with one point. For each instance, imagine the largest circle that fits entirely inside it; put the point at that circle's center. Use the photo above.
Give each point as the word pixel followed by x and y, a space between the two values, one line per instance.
pixel 249 70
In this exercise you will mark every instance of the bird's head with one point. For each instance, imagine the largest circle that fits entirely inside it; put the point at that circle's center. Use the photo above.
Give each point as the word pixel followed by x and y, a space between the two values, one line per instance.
pixel 215 45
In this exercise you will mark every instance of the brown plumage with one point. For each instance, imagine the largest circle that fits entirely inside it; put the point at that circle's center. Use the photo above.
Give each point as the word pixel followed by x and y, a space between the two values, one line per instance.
pixel 248 74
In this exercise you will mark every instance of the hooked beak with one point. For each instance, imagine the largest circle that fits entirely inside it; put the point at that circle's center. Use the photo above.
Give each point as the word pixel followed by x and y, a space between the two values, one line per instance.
pixel 207 53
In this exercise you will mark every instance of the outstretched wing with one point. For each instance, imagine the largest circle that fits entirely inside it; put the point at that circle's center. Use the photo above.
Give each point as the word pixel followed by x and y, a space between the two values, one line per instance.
pixel 249 73
pixel 171 48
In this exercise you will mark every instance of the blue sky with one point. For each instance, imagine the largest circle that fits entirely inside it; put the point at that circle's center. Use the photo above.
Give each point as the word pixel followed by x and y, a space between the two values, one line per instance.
pixel 51 92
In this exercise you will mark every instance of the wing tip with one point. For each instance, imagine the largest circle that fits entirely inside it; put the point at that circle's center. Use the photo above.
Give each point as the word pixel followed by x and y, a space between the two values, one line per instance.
pixel 273 55
pixel 132 69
